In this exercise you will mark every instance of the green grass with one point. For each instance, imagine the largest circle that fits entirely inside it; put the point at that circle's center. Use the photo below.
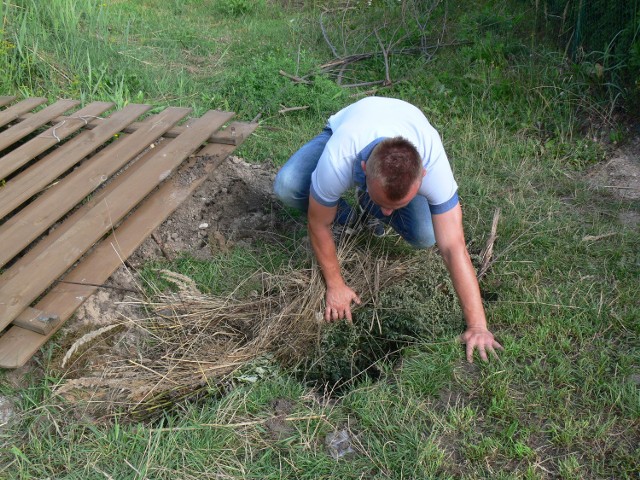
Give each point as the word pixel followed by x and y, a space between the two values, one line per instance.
pixel 563 399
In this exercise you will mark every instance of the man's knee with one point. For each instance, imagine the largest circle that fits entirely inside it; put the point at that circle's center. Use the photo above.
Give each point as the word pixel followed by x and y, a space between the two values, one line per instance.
pixel 422 240
pixel 289 190
pixel 282 186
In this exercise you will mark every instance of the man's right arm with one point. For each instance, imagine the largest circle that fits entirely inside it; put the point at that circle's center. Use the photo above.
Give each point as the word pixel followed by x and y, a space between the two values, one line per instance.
pixel 339 296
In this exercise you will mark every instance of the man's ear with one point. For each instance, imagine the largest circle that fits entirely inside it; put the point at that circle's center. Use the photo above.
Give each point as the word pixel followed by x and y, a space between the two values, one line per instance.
pixel 424 172
pixel 364 166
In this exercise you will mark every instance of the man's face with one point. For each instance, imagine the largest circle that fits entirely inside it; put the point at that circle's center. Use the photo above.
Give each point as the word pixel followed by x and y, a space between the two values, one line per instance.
pixel 387 207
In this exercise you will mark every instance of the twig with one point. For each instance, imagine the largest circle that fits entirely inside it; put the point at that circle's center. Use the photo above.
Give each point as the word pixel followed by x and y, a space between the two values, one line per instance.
pixel 160 244
pixel 487 253
pixel 112 287
pixel 292 109
pixel 595 238
pixel 294 78
pixel 367 84
pixel 326 37
pixel 618 186
pixel 557 305
pixel 236 425
pixel 385 55
pixel 341 74
pixel 346 60
pixel 367 92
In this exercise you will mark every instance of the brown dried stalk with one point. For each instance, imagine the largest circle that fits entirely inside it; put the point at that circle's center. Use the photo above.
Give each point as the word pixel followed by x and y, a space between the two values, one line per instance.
pixel 199 340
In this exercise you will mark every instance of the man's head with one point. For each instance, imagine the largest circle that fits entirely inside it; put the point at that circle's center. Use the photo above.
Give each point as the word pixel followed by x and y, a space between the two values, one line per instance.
pixel 394 172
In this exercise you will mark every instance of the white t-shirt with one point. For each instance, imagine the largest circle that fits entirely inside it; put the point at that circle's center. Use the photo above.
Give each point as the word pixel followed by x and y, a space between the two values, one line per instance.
pixel 357 128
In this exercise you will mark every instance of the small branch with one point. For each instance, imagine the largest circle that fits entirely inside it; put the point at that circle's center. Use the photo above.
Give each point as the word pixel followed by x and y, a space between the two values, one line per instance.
pixel 367 84
pixel 487 253
pixel 373 91
pixel 239 424
pixel 160 244
pixel 346 60
pixel 385 55
pixel 326 37
pixel 98 285
pixel 294 78
pixel 292 109
pixel 595 238
pixel 341 74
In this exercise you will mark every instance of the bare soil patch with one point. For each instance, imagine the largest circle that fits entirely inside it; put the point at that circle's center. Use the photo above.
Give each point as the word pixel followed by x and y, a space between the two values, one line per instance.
pixel 235 206
pixel 620 176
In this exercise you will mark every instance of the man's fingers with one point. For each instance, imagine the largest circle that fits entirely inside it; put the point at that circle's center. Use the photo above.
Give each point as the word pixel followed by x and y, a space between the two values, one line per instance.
pixel 497 345
pixel 469 352
pixel 348 316
pixel 483 353
pixel 357 299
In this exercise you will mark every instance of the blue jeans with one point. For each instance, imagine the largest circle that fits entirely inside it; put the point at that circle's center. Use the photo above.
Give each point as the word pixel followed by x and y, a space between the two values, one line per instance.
pixel 293 183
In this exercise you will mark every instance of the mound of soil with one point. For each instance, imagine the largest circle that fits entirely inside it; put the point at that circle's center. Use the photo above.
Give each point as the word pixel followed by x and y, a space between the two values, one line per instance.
pixel 235 206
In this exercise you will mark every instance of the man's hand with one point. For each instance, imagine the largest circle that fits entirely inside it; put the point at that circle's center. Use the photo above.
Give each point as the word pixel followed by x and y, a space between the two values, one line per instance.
pixel 339 296
pixel 482 339
pixel 338 300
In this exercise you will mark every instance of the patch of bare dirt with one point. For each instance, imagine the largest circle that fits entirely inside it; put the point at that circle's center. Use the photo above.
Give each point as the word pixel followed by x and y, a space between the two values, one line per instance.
pixel 277 427
pixel 235 206
pixel 620 176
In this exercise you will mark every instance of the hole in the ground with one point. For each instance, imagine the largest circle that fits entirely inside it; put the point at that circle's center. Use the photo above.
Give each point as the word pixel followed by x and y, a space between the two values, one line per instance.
pixel 194 343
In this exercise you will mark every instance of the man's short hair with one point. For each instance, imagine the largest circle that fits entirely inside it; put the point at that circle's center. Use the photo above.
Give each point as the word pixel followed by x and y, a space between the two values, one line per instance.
pixel 396 165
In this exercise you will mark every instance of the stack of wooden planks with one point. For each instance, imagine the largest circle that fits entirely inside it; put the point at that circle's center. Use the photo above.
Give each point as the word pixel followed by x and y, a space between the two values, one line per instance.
pixel 79 192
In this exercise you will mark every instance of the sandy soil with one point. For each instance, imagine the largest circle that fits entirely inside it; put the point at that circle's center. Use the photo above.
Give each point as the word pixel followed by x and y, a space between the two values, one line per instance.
pixel 620 176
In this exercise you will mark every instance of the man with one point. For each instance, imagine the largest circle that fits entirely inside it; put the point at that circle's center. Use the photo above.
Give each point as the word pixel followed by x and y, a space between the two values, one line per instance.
pixel 388 150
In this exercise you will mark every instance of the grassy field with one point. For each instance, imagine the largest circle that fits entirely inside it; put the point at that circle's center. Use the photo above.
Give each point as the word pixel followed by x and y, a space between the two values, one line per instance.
pixel 519 123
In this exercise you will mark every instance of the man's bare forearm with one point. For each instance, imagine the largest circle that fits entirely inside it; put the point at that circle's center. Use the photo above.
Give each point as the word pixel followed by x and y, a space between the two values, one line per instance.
pixel 466 286
pixel 324 249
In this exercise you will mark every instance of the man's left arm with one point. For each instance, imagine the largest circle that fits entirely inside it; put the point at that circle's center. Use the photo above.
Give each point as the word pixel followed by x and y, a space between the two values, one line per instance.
pixel 450 240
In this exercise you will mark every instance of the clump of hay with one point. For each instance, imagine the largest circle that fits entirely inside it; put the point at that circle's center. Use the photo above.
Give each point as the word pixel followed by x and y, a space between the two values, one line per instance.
pixel 196 341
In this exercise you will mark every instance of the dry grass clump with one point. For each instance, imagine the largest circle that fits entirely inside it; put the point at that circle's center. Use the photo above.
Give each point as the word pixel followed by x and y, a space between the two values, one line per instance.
pixel 197 341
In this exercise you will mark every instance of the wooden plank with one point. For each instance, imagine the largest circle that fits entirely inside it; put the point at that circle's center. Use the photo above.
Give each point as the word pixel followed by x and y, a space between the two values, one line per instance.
pixel 33 279
pixel 18 345
pixel 34 147
pixel 24 227
pixel 22 129
pixel 32 181
pixel 227 136
pixel 36 321
pixel 6 99
pixel 14 111
pixel 44 243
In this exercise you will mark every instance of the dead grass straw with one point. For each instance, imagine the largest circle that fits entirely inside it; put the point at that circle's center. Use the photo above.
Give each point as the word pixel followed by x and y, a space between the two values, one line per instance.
pixel 197 341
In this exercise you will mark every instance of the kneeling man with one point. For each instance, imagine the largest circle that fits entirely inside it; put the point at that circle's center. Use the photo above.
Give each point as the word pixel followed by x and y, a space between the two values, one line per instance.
pixel 388 150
